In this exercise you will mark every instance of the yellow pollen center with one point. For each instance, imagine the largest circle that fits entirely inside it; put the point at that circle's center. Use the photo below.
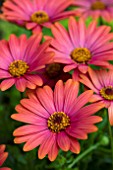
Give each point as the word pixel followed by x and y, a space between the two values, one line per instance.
pixel 81 55
pixel 107 93
pixel 40 17
pixel 98 5
pixel 18 68
pixel 58 121
pixel 53 70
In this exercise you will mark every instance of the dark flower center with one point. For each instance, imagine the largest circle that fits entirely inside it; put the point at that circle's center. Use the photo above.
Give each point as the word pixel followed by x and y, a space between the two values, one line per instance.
pixel 98 5
pixel 18 68
pixel 81 55
pixel 58 121
pixel 53 70
pixel 107 93
pixel 40 17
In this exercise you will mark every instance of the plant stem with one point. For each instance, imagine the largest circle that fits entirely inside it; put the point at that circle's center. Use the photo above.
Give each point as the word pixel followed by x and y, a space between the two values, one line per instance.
pixel 84 154
pixel 111 139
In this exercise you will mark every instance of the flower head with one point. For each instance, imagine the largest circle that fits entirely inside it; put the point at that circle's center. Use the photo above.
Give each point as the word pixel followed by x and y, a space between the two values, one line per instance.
pixel 20 59
pixel 3 157
pixel 95 8
pixel 52 73
pixel 80 46
pixel 36 14
pixel 101 82
pixel 56 119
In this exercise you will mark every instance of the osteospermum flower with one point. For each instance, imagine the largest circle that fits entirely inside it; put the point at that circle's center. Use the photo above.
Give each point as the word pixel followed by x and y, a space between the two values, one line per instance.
pixel 20 58
pixel 95 8
pixel 36 14
pixel 79 47
pixel 101 82
pixel 52 73
pixel 56 119
pixel 3 157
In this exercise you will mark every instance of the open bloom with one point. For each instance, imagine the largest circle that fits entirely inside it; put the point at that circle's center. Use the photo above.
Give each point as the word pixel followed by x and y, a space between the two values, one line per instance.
pixel 79 47
pixel 3 157
pixel 52 73
pixel 56 119
pixel 95 8
pixel 101 82
pixel 20 59
pixel 36 14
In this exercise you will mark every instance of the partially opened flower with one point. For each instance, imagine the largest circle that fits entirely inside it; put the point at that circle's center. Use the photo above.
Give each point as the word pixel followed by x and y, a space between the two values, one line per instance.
pixel 52 73
pixel 101 82
pixel 95 8
pixel 3 157
pixel 36 14
pixel 79 47
pixel 56 119
pixel 20 59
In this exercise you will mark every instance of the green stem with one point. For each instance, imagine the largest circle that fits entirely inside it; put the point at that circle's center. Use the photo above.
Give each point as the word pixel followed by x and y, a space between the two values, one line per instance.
pixel 84 154
pixel 111 139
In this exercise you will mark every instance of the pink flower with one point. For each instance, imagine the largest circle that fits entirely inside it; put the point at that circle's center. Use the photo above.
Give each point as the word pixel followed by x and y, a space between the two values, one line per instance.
pixel 36 14
pixel 3 157
pixel 95 8
pixel 56 119
pixel 20 58
pixel 52 73
pixel 79 47
pixel 101 82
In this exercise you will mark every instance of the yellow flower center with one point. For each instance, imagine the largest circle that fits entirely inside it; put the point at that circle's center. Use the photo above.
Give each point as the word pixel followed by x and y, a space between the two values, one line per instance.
pixel 107 93
pixel 98 5
pixel 18 68
pixel 40 17
pixel 81 55
pixel 58 121
pixel 53 70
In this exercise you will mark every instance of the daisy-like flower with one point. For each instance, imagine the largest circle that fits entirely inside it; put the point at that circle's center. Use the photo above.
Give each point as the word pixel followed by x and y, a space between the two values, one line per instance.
pixel 20 59
pixel 52 73
pixel 101 82
pixel 56 119
pixel 79 47
pixel 3 157
pixel 36 14
pixel 95 8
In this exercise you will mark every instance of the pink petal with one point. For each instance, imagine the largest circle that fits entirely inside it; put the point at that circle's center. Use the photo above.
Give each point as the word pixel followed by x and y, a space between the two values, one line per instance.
pixel 14 47
pixel 94 78
pixel 81 101
pixel 83 68
pixel 46 99
pixel 95 98
pixel 6 84
pixel 63 141
pixel 20 84
pixel 52 154
pixel 70 67
pixel 34 107
pixel 70 93
pixel 36 140
pixel 45 147
pixel 3 157
pixel 88 83
pixel 4 74
pixel 34 79
pixel 75 146
pixel 59 96
pixel 110 113
pixel 28 129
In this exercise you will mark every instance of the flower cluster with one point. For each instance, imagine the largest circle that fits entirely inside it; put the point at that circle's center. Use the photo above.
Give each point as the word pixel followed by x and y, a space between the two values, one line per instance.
pixel 50 69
